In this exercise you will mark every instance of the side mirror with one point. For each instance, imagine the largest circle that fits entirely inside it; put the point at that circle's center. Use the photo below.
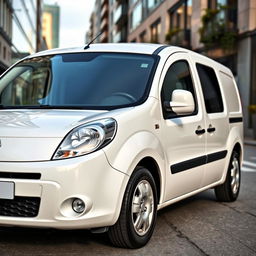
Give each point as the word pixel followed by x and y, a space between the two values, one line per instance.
pixel 182 102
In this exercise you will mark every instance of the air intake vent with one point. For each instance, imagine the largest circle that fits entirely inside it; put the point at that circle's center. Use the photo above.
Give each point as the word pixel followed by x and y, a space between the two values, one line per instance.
pixel 20 207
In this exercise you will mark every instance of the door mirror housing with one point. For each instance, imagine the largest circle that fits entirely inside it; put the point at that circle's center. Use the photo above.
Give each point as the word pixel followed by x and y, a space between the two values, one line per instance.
pixel 182 102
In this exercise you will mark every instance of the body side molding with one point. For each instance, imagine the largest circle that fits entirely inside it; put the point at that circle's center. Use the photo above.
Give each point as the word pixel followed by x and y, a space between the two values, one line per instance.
pixel 195 162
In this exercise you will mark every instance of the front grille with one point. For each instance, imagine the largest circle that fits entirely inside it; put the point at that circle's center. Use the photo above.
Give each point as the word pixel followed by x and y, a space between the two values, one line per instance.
pixel 20 207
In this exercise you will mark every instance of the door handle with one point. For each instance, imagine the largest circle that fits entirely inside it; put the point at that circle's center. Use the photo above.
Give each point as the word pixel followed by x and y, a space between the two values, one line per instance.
pixel 211 129
pixel 199 131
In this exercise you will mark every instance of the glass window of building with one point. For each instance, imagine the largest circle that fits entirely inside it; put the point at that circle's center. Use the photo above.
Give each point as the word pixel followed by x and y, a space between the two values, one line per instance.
pixel 132 2
pixel 155 31
pixel 136 16
pixel 180 17
pixel 213 4
pixel 189 14
pixel 227 11
pixel 24 26
pixel 180 24
pixel 4 54
pixel 143 37
pixel 151 4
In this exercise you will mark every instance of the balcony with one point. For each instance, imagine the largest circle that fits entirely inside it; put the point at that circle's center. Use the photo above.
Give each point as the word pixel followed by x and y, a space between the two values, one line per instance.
pixel 104 37
pixel 103 2
pixel 104 12
pixel 120 14
pixel 179 37
pixel 219 29
pixel 104 24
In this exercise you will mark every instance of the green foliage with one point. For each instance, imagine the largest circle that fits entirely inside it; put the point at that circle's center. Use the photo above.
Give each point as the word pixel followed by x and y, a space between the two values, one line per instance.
pixel 252 109
pixel 171 33
pixel 215 32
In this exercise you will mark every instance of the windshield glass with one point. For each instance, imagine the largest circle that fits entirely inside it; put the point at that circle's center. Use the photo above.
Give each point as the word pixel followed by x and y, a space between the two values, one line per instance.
pixel 86 80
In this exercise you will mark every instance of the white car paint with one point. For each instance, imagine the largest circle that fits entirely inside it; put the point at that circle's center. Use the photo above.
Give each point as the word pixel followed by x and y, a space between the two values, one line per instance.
pixel 29 139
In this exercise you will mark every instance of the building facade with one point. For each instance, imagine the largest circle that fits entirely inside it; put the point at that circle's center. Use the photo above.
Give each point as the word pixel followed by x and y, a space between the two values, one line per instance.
pixel 110 18
pixel 20 30
pixel 5 34
pixel 118 21
pixel 157 21
pixel 51 25
pixel 27 26
pixel 99 23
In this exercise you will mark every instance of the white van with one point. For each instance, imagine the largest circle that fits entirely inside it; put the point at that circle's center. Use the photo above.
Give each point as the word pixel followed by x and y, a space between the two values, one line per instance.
pixel 103 137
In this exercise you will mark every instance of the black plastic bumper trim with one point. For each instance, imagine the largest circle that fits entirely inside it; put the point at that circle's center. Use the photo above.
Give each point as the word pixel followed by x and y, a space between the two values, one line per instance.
pixel 235 120
pixel 17 175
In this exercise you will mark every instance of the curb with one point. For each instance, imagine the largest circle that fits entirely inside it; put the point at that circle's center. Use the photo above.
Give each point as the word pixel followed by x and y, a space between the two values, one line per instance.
pixel 250 142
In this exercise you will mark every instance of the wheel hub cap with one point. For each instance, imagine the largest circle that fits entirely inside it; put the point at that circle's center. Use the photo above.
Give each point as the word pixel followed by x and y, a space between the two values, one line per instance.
pixel 235 176
pixel 142 207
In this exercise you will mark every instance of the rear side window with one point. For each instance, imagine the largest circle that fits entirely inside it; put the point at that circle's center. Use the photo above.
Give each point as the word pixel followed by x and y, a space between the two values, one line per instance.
pixel 230 92
pixel 211 89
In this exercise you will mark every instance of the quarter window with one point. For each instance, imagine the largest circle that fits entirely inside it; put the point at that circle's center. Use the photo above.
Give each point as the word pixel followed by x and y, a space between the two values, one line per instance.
pixel 178 76
pixel 211 89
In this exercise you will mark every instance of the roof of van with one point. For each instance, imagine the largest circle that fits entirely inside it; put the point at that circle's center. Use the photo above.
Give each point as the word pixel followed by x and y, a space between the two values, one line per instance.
pixel 109 47
pixel 140 48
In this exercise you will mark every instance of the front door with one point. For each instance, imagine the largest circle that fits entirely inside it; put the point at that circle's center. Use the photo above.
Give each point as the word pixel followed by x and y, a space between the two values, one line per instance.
pixel 183 137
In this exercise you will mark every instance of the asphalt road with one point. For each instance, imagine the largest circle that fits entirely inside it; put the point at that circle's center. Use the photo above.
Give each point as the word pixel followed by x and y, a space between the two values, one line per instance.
pixel 196 226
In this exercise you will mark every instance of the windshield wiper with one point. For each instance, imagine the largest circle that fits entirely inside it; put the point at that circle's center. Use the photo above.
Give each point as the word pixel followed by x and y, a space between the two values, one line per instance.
pixel 40 107
pixel 29 107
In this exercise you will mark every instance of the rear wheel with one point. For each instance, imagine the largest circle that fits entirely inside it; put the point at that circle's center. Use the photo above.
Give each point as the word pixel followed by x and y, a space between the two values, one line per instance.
pixel 229 190
pixel 138 214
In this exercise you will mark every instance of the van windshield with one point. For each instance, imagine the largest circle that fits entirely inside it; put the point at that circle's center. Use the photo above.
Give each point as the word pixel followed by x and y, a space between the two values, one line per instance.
pixel 79 80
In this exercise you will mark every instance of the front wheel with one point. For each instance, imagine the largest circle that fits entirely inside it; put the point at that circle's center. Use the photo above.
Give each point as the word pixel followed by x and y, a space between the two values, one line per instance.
pixel 137 219
pixel 229 190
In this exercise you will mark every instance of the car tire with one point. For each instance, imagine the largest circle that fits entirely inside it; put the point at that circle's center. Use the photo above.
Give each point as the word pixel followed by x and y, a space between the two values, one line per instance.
pixel 137 219
pixel 229 190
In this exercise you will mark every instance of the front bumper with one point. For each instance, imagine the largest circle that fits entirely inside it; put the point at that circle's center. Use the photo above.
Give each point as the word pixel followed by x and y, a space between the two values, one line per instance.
pixel 89 178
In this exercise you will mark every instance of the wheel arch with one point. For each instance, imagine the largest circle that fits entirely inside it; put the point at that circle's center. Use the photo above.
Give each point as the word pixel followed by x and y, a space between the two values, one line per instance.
pixel 239 150
pixel 151 164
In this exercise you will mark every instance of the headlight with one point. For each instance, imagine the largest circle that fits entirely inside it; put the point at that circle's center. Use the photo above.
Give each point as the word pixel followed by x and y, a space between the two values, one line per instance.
pixel 86 138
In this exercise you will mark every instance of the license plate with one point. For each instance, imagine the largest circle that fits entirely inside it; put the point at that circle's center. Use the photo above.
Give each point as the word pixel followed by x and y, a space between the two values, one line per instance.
pixel 6 190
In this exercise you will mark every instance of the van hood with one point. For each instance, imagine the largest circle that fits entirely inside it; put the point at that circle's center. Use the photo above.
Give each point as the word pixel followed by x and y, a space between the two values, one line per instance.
pixel 34 135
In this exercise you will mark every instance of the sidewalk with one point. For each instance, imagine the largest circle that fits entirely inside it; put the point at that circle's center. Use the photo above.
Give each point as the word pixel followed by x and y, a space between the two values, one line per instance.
pixel 250 141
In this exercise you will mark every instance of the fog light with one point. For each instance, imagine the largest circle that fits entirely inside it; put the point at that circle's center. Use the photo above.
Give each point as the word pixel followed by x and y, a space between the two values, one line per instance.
pixel 78 205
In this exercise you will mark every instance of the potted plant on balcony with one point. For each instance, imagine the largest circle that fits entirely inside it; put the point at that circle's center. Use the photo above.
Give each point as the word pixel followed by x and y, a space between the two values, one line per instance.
pixel 171 33
pixel 215 31
pixel 252 110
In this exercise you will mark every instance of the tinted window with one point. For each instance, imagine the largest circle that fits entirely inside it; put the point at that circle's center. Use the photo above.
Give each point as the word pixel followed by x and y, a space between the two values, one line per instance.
pixel 211 89
pixel 90 80
pixel 177 77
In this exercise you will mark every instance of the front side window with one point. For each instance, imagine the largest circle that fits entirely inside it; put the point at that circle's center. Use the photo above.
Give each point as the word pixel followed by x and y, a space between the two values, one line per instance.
pixel 178 76
pixel 86 80
pixel 211 89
